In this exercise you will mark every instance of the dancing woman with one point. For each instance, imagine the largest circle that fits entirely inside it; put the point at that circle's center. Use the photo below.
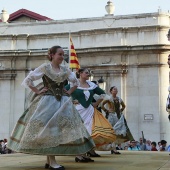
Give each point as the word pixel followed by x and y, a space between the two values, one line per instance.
pixel 51 125
pixel 98 127
pixel 116 118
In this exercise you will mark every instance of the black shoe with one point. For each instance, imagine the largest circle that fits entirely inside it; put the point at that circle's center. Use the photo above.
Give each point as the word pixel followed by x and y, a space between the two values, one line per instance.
pixel 88 159
pixel 113 152
pixel 81 160
pixel 59 168
pixel 93 155
pixel 46 166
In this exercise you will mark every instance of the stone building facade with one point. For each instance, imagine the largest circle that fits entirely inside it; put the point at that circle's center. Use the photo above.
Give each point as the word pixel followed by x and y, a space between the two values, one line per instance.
pixel 129 51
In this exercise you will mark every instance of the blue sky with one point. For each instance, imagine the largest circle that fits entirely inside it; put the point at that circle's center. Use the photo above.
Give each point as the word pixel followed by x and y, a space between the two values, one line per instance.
pixel 69 9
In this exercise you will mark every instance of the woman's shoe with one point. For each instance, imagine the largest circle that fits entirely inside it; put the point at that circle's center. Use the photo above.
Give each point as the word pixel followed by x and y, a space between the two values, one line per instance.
pixel 88 159
pixel 93 155
pixel 46 166
pixel 59 168
pixel 80 160
pixel 115 152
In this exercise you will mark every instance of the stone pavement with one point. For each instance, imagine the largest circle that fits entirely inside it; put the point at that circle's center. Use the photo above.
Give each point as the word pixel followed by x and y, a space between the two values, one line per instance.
pixel 128 160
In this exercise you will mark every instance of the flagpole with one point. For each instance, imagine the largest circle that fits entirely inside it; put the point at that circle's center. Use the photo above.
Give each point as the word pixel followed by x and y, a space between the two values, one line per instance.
pixel 69 47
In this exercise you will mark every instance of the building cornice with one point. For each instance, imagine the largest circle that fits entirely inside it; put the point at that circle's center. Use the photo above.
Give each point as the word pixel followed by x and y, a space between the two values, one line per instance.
pixel 156 48
pixel 91 31
pixel 128 48
pixel 7 76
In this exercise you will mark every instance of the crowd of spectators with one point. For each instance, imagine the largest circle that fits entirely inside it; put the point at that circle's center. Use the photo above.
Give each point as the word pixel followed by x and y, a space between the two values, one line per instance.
pixel 141 145
pixel 145 145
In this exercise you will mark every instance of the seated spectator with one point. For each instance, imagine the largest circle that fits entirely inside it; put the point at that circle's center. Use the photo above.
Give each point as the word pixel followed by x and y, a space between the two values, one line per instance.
pixel 133 146
pixel 163 145
pixel 153 148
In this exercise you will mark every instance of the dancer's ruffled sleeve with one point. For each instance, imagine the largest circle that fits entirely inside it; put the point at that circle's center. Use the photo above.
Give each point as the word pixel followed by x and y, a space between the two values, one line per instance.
pixel 101 94
pixel 32 76
pixel 72 79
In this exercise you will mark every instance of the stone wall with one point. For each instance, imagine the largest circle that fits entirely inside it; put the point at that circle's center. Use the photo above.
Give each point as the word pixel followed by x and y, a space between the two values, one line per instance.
pixel 128 51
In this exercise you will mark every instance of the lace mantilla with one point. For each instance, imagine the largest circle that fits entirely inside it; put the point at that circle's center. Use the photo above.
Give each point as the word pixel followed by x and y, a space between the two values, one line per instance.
pixel 57 77
pixel 47 69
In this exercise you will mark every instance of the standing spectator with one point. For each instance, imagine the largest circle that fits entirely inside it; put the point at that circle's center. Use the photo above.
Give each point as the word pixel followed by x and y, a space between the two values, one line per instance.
pixel 159 144
pixel 142 145
pixel 133 146
pixel 153 144
pixel 6 150
pixel 3 146
pixel 148 145
pixel 119 147
pixel 126 148
pixel 163 145
pixel 168 148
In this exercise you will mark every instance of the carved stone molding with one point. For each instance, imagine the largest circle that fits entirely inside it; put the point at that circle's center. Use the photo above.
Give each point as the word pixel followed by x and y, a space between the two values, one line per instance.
pixel 7 76
pixel 108 73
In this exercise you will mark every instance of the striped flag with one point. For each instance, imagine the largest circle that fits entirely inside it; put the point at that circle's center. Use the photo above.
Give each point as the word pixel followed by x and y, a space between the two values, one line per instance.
pixel 73 57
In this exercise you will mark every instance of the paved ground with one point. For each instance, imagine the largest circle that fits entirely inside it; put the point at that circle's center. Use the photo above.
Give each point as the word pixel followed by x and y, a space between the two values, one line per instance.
pixel 128 160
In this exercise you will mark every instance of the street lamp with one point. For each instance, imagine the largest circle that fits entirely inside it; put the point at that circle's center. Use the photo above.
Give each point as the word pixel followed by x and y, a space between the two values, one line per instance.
pixel 168 35
pixel 102 83
pixel 91 76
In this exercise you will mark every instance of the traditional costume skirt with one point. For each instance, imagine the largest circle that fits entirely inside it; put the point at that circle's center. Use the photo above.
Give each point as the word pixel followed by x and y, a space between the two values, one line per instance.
pixel 97 125
pixel 120 127
pixel 51 127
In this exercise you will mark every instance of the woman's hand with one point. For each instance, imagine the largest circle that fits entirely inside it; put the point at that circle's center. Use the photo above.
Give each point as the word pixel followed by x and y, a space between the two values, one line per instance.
pixel 110 110
pixel 95 105
pixel 75 102
pixel 42 91
pixel 71 90
pixel 67 91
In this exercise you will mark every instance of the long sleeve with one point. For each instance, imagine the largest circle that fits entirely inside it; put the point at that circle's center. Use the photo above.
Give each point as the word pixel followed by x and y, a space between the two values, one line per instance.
pixel 72 79
pixel 99 92
pixel 32 76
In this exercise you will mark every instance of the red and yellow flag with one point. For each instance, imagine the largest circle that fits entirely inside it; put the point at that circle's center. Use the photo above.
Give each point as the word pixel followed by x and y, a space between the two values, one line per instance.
pixel 73 57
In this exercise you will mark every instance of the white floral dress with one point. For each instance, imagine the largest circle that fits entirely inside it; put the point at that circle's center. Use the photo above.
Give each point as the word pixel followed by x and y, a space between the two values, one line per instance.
pixel 50 126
